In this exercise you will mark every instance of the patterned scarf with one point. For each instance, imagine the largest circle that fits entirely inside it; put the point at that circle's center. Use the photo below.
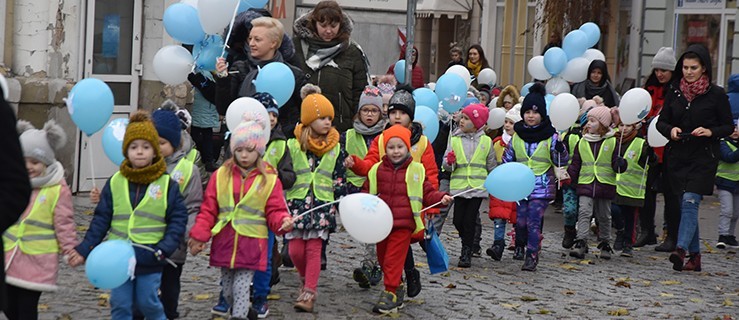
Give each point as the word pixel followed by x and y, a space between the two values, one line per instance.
pixel 474 67
pixel 144 175
pixel 319 146
pixel 692 90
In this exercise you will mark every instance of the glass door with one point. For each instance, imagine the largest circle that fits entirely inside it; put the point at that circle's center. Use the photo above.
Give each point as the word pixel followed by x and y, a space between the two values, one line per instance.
pixel 726 49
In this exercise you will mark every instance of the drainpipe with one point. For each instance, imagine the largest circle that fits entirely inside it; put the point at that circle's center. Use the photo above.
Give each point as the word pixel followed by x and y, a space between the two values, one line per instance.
pixel 410 27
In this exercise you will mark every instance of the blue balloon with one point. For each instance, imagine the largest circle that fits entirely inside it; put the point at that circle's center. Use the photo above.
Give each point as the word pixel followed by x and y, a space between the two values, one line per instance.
pixel 593 33
pixel 109 265
pixel 549 98
pixel 555 60
pixel 248 4
pixel 426 97
pixel 575 44
pixel 525 89
pixel 512 181
pixel 399 71
pixel 430 121
pixel 113 140
pixel 451 91
pixel 182 23
pixel 206 52
pixel 277 79
pixel 90 103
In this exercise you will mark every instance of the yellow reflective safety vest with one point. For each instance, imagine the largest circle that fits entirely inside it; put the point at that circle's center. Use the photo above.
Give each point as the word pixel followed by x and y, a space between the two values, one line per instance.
pixel 35 234
pixel 631 183
pixel 192 155
pixel 728 171
pixel 146 223
pixel 275 152
pixel 415 175
pixel 182 173
pixel 355 145
pixel 470 173
pixel 572 140
pixel 597 168
pixel 417 149
pixel 540 161
pixel 320 178
pixel 248 216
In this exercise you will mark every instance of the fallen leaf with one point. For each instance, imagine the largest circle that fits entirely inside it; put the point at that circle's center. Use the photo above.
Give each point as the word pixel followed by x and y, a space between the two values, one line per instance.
pixel 655 258
pixel 722 274
pixel 568 292
pixel 201 297
pixel 43 307
pixel 528 298
pixel 274 296
pixel 623 284
pixel 727 303
pixel 82 228
pixel 540 311
pixel 347 246
pixel 451 286
pixel 415 301
pixel 219 318
pixel 670 282
pixel 510 305
pixel 666 295
pixel 696 300
pixel 646 283
pixel 88 212
pixel 104 300
pixel 421 265
pixel 657 304
pixel 586 262
pixel 618 312
pixel 64 316
pixel 445 274
pixel 568 267
pixel 709 248
pixel 195 278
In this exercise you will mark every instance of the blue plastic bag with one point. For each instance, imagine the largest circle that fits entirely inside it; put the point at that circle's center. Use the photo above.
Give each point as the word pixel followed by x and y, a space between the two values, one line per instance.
pixel 436 255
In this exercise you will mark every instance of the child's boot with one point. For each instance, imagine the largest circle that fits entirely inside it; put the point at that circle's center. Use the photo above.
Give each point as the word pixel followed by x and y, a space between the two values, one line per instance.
pixel 465 260
pixel 375 275
pixel 414 282
pixel 496 250
pixel 694 263
pixel 388 303
pixel 518 253
pixel 532 259
pixel 579 250
pixel 677 258
pixel 569 238
pixel 362 276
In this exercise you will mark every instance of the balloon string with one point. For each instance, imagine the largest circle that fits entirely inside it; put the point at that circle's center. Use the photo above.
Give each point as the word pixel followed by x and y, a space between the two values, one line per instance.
pixel 314 209
pixel 230 28
pixel 92 166
pixel 458 194
pixel 152 250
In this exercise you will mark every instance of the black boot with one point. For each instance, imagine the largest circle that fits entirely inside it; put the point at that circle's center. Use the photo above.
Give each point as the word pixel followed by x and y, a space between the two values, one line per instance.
pixel 618 245
pixel 646 237
pixel 569 239
pixel 667 246
pixel 532 259
pixel 324 260
pixel 465 260
pixel 413 282
pixel 579 250
pixel 518 253
pixel 285 253
pixel 496 251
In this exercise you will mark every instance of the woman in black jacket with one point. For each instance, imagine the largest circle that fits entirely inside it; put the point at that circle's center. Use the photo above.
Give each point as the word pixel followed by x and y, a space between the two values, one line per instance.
pixel 696 114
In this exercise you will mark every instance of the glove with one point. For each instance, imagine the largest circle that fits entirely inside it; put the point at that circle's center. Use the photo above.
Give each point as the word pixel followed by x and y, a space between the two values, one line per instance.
pixel 419 224
pixel 451 158
pixel 561 173
pixel 620 162
pixel 559 146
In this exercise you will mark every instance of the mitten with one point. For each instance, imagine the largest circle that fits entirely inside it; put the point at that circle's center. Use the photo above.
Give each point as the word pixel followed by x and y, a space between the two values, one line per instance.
pixel 451 158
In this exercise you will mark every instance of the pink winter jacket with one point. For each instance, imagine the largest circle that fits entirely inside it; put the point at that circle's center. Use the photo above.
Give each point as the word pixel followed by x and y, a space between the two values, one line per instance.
pixel 38 272
pixel 229 249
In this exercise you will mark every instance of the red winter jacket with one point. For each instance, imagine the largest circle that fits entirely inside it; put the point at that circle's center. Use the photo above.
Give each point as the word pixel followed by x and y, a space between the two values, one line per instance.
pixel 392 189
pixel 363 166
pixel 500 209
pixel 247 252
pixel 416 73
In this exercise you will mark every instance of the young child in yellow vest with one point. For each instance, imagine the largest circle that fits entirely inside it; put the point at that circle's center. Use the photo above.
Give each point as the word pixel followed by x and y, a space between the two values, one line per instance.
pixel 396 180
pixel 537 145
pixel 596 188
pixel 469 157
pixel 46 228
pixel 318 161
pixel 727 181
pixel 242 202
pixel 631 183
pixel 368 124
pixel 143 191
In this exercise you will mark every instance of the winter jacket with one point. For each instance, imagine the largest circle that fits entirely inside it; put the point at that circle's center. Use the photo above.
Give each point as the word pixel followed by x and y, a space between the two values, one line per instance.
pixel 350 188
pixel 728 156
pixel 595 189
pixel 392 189
pixel 733 93
pixel 341 81
pixel 439 145
pixel 230 249
pixel 470 142
pixel 417 73
pixel 647 157
pixel 545 186
pixel 188 146
pixel 146 261
pixel 500 209
pixel 193 197
pixel 692 162
pixel 204 111
pixel 284 168
pixel 39 272
pixel 658 100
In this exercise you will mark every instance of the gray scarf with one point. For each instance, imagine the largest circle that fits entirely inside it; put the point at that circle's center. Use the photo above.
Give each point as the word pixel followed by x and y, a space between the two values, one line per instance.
pixel 52 176
pixel 362 129
pixel 322 56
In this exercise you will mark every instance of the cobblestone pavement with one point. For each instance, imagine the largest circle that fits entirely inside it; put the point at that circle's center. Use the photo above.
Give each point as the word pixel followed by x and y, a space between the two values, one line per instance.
pixel 642 287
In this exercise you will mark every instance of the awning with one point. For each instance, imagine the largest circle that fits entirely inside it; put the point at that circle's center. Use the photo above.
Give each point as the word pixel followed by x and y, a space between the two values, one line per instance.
pixel 438 8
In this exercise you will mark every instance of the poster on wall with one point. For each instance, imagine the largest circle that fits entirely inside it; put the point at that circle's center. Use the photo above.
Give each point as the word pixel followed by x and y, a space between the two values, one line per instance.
pixel 697 31
pixel 111 35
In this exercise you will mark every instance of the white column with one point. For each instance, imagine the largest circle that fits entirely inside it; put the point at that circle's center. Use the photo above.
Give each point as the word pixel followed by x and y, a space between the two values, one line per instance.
pixel 3 21
pixel 635 33
pixel 487 42
pixel 475 23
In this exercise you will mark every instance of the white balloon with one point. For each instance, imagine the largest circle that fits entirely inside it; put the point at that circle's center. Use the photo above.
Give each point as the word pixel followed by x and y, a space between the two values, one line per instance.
pixel 172 64
pixel 192 3
pixel 557 85
pixel 654 137
pixel 240 106
pixel 487 76
pixel 594 54
pixel 366 217
pixel 431 85
pixel 634 105
pixel 564 111
pixel 493 103
pixel 215 15
pixel 537 70
pixel 496 118
pixel 576 70
pixel 461 71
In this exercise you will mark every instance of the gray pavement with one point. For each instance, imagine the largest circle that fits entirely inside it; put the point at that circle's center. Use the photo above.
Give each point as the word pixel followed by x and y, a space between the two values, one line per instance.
pixel 642 287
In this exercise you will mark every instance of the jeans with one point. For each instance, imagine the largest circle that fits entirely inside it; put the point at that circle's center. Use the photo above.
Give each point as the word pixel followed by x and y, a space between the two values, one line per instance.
pixel 140 292
pixel 499 229
pixel 262 278
pixel 688 237
pixel 729 212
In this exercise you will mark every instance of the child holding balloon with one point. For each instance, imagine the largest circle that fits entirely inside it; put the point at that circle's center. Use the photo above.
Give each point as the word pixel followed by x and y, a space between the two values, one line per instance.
pixel 537 145
pixel 469 157
pixel 143 204
pixel 31 265
pixel 401 183
pixel 240 225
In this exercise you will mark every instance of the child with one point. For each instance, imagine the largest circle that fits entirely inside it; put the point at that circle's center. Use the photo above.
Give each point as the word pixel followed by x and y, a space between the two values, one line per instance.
pixel 240 235
pixel 631 184
pixel 502 211
pixel 141 184
pixel 187 176
pixel 508 97
pixel 596 188
pixel 368 124
pixel 31 266
pixel 397 179
pixel 318 160
pixel 535 144
pixel 469 157
pixel 727 181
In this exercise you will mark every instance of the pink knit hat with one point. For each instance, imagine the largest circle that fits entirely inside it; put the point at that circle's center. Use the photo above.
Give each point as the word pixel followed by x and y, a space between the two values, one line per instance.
pixel 478 113
pixel 250 133
pixel 602 114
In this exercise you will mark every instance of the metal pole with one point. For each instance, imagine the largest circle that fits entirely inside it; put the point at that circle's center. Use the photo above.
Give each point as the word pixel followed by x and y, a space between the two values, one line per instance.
pixel 410 32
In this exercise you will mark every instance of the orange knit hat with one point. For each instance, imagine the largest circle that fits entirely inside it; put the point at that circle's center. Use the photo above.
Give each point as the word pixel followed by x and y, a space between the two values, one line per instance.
pixel 315 105
pixel 397 131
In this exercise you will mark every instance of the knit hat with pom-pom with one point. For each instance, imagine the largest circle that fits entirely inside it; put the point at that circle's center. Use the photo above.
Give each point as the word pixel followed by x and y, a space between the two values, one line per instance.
pixel 315 105
pixel 40 144
pixel 602 114
pixel 141 127
pixel 250 133
pixel 478 114
pixel 535 100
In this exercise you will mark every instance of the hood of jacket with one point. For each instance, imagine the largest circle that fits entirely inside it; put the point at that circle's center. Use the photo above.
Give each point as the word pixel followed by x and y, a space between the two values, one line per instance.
pixel 600 64
pixel 402 53
pixel 300 27
pixel 705 57
pixel 509 90
pixel 242 27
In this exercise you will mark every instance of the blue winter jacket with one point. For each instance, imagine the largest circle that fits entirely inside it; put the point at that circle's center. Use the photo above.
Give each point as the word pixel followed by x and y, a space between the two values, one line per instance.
pixel 146 261
pixel 732 90
pixel 730 157
pixel 546 184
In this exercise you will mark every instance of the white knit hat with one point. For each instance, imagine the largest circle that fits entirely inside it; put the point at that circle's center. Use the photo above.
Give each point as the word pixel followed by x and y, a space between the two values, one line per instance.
pixel 514 115
pixel 40 144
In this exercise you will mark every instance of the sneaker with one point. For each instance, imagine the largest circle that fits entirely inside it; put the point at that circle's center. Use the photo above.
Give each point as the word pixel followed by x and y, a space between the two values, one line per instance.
pixel 414 282
pixel 605 250
pixel 400 293
pixel 732 242
pixel 220 309
pixel 618 245
pixel 375 275
pixel 362 277
pixel 260 306
pixel 727 241
pixel 476 251
pixel 628 251
pixel 388 303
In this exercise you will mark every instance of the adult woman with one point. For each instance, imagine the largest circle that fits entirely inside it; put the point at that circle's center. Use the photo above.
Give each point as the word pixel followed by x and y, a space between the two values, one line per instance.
pixel 331 60
pixel 476 61
pixel 265 44
pixel 417 73
pixel 598 83
pixel 695 116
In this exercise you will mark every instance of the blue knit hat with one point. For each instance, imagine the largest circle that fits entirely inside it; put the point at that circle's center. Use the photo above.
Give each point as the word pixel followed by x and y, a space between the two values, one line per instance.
pixel 268 101
pixel 168 126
